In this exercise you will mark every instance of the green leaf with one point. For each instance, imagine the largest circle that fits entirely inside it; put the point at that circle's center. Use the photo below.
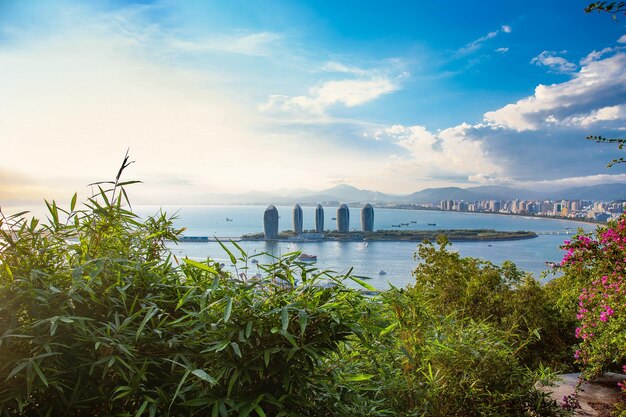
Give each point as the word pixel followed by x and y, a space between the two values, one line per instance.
pixel 142 408
pixel 148 316
pixel 217 346
pixel 73 202
pixel 359 377
pixel 259 411
pixel 200 265
pixel 284 318
pixel 389 328
pixel 363 283
pixel 200 373
pixel 233 260
pixel 303 318
pixel 40 374
pixel 248 330
pixel 180 385
pixel 229 308
pixel 235 348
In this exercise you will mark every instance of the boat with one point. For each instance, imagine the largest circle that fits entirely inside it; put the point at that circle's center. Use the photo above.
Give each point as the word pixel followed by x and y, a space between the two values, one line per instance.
pixel 334 218
pixel 553 265
pixel 382 272
pixel 413 221
pixel 404 224
pixel 432 224
pixel 254 261
pixel 229 219
pixel 396 225
pixel 305 257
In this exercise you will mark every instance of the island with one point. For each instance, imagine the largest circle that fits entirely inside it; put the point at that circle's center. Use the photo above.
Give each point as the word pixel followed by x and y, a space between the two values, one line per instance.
pixel 453 235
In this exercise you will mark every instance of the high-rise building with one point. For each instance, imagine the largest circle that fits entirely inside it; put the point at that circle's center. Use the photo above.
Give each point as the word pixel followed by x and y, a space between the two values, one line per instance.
pixel 319 219
pixel 297 219
pixel 270 222
pixel 343 218
pixel 367 218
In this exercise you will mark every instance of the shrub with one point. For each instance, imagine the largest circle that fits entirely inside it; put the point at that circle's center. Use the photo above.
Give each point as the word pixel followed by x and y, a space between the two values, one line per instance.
pixel 594 265
pixel 506 298
pixel 96 320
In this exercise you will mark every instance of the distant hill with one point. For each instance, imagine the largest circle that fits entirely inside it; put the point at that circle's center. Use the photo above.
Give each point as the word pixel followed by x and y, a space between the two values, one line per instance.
pixel 430 195
pixel 348 194
pixel 606 192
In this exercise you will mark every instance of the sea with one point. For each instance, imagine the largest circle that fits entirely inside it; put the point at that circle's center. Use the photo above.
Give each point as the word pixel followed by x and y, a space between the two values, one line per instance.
pixel 370 259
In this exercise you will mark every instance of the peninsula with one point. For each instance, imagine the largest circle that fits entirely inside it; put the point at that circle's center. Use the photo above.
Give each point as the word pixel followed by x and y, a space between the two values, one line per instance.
pixel 453 235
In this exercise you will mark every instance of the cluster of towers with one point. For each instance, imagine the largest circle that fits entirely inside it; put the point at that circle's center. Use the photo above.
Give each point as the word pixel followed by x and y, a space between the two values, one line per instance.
pixel 270 220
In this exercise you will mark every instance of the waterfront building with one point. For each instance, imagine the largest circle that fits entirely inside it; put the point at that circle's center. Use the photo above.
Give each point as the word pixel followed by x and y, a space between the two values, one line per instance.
pixel 319 219
pixel 367 218
pixel 343 218
pixel 270 222
pixel 297 219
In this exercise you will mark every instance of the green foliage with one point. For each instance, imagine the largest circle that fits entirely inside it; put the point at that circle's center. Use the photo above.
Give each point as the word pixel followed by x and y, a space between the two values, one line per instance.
pixel 96 320
pixel 503 296
pixel 620 146
pixel 456 366
pixel 595 265
pixel 612 7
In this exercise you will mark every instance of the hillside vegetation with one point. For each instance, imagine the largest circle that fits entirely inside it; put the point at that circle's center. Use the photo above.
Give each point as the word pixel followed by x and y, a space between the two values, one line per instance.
pixel 97 318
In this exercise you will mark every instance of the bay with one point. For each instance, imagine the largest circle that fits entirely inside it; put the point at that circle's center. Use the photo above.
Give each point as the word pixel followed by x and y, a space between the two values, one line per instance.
pixel 369 258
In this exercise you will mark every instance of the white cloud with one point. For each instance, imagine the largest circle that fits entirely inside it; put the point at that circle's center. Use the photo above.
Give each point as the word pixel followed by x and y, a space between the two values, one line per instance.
pixel 448 153
pixel 502 50
pixel 589 90
pixel 596 55
pixel 254 44
pixel 622 39
pixel 580 181
pixel 553 62
pixel 476 44
pixel 333 66
pixel 362 86
pixel 604 114
pixel 349 93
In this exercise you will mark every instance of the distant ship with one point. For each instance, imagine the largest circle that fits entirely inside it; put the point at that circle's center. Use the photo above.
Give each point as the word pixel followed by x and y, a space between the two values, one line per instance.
pixel 305 257
pixel 382 272
pixel 413 221
pixel 396 225
pixel 404 224
pixel 229 219
pixel 432 224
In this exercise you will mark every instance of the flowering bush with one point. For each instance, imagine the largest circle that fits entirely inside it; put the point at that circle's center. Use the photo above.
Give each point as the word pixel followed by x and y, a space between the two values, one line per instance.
pixel 595 264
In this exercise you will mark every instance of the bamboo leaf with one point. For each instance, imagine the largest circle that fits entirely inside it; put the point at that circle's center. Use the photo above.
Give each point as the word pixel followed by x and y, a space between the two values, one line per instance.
pixel 389 328
pixel 363 283
pixel 200 373
pixel 359 377
pixel 284 318
pixel 235 347
pixel 200 265
pixel 142 408
pixel 229 308
pixel 303 318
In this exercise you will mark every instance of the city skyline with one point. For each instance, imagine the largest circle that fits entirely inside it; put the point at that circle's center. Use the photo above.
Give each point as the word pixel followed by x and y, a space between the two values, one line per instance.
pixel 232 97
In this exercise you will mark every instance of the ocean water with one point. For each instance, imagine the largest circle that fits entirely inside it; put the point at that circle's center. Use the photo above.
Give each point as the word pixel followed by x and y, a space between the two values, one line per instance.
pixel 369 258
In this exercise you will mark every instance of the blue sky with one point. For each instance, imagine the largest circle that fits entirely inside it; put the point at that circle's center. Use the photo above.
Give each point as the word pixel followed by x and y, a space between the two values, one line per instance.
pixel 235 96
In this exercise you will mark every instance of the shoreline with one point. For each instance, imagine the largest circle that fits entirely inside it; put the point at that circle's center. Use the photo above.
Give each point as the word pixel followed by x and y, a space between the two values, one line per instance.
pixel 453 235
pixel 528 216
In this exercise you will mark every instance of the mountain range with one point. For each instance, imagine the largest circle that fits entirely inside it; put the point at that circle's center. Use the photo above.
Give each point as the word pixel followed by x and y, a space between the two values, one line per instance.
pixel 348 194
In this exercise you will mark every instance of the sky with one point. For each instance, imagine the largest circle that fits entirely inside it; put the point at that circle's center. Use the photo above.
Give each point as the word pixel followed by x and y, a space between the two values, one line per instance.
pixel 234 96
